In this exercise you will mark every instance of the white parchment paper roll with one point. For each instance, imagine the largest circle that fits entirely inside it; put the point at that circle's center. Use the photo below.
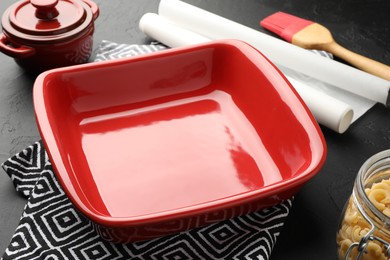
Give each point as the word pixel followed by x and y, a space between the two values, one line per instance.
pixel 167 33
pixel 279 52
pixel 327 110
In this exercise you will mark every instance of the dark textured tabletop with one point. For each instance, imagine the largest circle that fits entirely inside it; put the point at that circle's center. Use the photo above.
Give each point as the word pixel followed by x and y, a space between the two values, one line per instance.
pixel 309 233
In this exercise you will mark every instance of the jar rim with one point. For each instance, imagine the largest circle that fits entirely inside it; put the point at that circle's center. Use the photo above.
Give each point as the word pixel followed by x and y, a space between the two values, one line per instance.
pixel 373 165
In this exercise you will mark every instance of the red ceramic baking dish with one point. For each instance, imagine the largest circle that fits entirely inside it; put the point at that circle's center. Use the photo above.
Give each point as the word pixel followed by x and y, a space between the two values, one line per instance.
pixel 164 142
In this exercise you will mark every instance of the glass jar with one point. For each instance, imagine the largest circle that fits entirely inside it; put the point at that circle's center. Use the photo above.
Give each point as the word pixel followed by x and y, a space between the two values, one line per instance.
pixel 364 231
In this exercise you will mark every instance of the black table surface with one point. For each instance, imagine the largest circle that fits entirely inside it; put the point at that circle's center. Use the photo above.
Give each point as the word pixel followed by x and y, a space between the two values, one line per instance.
pixel 309 233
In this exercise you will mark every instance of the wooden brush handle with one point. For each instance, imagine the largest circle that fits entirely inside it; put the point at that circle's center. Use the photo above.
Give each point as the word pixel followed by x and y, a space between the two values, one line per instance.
pixel 359 61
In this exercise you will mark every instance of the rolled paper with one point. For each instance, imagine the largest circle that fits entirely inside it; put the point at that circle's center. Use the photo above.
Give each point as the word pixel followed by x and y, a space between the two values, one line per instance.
pixel 162 30
pixel 279 52
pixel 327 110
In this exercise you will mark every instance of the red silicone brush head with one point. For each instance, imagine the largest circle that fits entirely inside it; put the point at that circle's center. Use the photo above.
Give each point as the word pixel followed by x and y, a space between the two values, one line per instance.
pixel 284 25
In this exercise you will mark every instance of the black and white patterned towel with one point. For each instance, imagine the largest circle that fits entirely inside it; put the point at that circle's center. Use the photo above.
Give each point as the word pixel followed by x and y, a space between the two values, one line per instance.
pixel 51 228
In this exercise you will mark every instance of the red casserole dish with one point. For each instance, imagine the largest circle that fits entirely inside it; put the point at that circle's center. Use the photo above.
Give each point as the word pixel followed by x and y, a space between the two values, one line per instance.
pixel 160 143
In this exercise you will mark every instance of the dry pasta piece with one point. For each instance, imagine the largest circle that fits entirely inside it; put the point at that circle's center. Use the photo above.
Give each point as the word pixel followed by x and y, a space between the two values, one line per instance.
pixel 374 251
pixel 381 185
pixel 386 182
pixel 344 232
pixel 343 247
pixel 376 196
pixel 351 213
pixel 358 232
pixel 386 211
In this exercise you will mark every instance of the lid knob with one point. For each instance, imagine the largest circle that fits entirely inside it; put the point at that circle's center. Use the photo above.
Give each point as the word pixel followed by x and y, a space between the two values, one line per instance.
pixel 46 9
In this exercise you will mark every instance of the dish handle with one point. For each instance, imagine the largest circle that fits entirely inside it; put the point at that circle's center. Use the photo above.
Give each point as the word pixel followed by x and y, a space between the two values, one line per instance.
pixel 15 51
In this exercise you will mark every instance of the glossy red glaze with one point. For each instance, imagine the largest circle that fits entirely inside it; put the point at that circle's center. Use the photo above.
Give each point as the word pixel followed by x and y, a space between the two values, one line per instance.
pixel 45 9
pixel 151 145
pixel 46 34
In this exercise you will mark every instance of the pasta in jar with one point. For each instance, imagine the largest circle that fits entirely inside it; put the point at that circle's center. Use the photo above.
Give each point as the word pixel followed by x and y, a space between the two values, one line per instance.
pixel 364 228
pixel 354 227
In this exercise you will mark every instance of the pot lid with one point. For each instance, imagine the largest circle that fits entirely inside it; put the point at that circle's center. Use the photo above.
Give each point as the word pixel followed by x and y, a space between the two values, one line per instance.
pixel 42 20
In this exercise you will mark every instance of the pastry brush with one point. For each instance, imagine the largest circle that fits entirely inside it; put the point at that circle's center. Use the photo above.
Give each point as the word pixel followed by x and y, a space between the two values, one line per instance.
pixel 311 35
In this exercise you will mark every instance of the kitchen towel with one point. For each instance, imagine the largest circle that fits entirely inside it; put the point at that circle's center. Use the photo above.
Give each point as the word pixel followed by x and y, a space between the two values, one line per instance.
pixel 51 228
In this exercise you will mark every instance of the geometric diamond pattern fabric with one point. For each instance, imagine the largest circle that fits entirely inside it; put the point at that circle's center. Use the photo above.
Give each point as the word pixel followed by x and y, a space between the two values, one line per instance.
pixel 51 228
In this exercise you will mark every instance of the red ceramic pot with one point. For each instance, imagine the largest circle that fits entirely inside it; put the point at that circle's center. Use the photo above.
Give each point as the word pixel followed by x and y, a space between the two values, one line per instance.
pixel 46 34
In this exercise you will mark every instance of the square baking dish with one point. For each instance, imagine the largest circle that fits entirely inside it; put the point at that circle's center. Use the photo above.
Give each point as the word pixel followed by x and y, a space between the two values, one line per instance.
pixel 160 143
